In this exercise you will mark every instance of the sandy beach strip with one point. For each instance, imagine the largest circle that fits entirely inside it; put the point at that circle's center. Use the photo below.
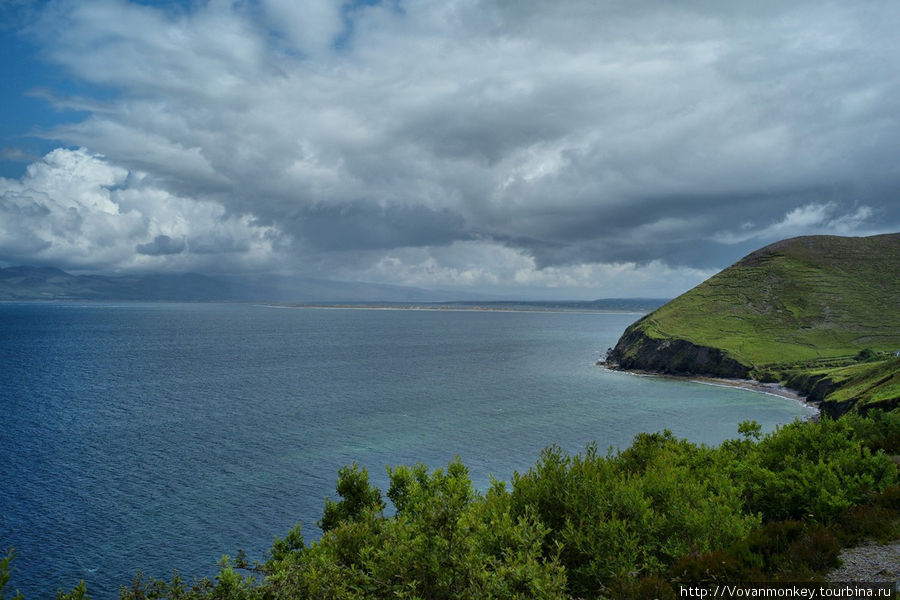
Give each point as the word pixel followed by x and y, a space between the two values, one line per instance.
pixel 773 389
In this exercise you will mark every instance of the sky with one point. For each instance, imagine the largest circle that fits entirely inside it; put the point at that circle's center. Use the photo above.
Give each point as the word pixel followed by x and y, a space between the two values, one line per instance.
pixel 569 149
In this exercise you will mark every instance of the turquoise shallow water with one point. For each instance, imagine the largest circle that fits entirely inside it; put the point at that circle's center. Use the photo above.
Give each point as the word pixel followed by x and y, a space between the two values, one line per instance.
pixel 161 436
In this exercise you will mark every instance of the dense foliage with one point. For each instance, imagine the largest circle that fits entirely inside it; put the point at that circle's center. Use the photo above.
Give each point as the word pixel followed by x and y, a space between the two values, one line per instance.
pixel 631 523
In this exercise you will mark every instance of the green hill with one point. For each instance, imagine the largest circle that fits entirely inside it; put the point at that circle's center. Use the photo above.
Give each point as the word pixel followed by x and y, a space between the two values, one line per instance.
pixel 796 311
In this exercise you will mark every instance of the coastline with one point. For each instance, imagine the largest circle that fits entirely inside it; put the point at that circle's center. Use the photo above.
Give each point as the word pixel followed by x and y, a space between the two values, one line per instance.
pixel 752 385
pixel 450 308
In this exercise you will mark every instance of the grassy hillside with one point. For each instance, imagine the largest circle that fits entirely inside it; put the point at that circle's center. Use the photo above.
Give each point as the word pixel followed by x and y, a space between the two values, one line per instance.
pixel 800 299
pixel 867 385
pixel 807 305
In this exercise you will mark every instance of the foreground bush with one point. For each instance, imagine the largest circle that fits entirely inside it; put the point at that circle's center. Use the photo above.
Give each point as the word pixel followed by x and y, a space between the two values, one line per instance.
pixel 627 524
pixel 632 513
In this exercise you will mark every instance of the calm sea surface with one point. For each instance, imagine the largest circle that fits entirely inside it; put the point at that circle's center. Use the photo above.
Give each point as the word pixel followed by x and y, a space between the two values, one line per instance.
pixel 162 436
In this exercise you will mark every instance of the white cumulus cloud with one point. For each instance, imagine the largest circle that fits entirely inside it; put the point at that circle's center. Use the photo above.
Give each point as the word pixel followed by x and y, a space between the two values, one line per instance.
pixel 811 219
pixel 76 210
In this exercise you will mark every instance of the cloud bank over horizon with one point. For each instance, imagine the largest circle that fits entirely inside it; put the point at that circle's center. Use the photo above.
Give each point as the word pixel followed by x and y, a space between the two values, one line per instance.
pixel 577 148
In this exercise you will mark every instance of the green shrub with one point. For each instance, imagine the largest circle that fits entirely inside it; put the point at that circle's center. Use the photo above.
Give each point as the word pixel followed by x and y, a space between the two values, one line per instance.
pixel 633 513
pixel 810 471
pixel 650 587
pixel 357 497
pixel 868 521
pixel 6 569
pixel 711 568
pixel 877 430
pixel 788 549
pixel 444 542
pixel 889 498
pixel 866 355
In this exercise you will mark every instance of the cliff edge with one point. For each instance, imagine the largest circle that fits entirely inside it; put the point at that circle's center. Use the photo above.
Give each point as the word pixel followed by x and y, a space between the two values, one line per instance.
pixel 638 351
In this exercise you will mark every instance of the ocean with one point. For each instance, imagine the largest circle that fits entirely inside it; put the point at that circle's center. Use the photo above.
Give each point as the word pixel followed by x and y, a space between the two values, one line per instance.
pixel 162 436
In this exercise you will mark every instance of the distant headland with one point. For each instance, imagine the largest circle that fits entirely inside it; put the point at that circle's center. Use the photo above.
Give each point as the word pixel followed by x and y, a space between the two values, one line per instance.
pixel 819 314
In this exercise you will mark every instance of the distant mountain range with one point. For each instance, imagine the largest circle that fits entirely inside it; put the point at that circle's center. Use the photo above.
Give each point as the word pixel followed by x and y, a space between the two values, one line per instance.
pixel 47 283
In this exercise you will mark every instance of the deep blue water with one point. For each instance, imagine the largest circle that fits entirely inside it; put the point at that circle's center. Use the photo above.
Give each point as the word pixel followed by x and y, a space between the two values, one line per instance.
pixel 162 436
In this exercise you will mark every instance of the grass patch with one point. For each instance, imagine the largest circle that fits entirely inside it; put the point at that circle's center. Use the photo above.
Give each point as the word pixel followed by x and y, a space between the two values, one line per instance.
pixel 871 384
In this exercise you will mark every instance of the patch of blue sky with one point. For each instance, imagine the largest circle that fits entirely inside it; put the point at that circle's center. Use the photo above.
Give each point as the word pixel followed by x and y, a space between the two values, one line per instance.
pixel 38 96
pixel 343 39
pixel 32 100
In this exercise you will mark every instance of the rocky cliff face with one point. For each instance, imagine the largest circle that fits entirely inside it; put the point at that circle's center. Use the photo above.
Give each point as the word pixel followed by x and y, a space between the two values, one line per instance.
pixel 816 388
pixel 636 350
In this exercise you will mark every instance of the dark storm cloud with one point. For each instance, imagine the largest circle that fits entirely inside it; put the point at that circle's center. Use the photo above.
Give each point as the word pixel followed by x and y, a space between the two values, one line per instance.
pixel 557 134
pixel 160 246
pixel 363 227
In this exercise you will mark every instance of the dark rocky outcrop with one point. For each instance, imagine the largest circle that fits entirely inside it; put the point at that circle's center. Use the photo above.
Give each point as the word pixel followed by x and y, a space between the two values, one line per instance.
pixel 637 351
